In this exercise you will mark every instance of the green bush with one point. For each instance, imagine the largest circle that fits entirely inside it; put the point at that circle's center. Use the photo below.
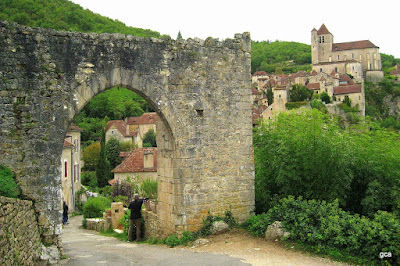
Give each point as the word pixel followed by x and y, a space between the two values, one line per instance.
pixel 148 188
pixel 89 179
pixel 328 228
pixel 295 105
pixel 8 186
pixel 95 207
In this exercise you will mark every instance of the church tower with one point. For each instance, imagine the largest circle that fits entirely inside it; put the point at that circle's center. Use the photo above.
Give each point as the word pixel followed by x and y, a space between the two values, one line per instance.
pixel 321 45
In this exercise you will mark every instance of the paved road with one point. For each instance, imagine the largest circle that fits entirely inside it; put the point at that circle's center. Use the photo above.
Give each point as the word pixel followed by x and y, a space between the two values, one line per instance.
pixel 86 247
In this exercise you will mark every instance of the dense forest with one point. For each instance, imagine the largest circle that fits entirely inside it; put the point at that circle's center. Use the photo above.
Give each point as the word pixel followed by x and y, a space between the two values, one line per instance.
pixel 279 56
pixel 64 15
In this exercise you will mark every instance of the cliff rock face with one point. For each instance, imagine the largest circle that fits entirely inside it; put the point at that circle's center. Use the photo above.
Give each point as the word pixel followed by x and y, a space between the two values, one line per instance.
pixel 393 105
pixel 200 90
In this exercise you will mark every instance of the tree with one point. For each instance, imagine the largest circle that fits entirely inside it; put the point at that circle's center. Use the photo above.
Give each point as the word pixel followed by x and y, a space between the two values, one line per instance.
pixel 179 37
pixel 300 93
pixel 149 139
pixel 112 152
pixel 325 97
pixel 301 154
pixel 91 155
pixel 103 169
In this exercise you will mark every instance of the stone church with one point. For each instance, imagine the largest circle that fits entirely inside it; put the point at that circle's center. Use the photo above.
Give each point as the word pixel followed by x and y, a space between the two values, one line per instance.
pixel 361 59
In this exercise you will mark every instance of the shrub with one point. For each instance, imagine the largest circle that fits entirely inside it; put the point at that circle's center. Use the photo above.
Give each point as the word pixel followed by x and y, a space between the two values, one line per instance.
pixel 8 185
pixel 122 188
pixel 89 179
pixel 295 105
pixel 95 207
pixel 148 188
pixel 326 227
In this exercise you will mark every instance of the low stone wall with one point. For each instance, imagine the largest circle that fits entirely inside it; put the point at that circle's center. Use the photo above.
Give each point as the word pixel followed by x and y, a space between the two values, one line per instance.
pixel 151 225
pixel 19 233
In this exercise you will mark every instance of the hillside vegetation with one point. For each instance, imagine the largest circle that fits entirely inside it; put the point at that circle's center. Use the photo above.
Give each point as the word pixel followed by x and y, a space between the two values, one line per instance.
pixel 280 56
pixel 64 15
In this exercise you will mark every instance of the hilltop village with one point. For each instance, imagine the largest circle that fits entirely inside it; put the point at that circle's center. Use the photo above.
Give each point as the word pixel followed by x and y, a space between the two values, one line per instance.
pixel 337 76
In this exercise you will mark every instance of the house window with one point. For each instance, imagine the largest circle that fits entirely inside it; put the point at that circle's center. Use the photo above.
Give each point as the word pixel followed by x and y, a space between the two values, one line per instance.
pixel 323 39
pixel 279 96
pixel 352 55
pixel 76 145
pixel 320 70
pixel 338 57
pixel 65 169
pixel 370 66
pixel 335 69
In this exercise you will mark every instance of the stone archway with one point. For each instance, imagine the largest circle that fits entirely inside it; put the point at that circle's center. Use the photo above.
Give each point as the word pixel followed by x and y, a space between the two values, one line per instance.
pixel 200 89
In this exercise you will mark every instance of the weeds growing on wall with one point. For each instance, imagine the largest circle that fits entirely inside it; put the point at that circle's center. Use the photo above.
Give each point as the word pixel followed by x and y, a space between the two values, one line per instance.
pixel 8 186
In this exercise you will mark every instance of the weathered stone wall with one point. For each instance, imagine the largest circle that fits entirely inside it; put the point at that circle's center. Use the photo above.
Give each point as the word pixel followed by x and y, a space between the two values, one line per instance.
pixel 19 233
pixel 199 89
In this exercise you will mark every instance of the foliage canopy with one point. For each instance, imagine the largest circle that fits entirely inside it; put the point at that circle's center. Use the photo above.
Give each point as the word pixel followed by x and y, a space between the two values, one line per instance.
pixel 64 15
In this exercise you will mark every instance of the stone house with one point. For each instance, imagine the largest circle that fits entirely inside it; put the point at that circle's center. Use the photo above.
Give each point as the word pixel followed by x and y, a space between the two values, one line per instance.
pixel 131 129
pixel 361 59
pixel 119 130
pixel 141 163
pixel 71 165
pixel 141 125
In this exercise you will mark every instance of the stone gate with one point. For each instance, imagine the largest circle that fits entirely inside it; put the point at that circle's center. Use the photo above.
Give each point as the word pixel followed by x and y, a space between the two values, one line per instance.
pixel 200 90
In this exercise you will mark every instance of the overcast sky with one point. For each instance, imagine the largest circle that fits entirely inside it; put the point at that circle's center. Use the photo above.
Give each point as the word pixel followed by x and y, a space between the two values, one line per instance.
pixel 285 20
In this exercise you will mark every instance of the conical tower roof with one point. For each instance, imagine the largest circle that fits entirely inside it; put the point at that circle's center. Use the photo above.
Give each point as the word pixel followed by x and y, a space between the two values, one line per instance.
pixel 323 30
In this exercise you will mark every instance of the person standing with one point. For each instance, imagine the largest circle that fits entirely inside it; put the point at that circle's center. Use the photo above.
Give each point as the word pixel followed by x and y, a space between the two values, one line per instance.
pixel 136 215
pixel 65 213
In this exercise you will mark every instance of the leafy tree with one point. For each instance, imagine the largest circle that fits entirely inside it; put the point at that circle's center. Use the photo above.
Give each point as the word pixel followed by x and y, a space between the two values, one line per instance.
pixel 149 139
pixel 308 154
pixel 91 155
pixel 296 155
pixel 8 185
pixel 112 152
pixel 89 179
pixel 300 93
pixel 325 97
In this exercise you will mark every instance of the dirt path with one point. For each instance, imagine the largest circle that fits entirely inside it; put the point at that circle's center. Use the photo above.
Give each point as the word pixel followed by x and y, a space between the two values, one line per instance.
pixel 257 251
pixel 237 247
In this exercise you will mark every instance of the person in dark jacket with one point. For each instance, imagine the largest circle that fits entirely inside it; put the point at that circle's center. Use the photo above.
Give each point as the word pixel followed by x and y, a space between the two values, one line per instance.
pixel 65 213
pixel 136 215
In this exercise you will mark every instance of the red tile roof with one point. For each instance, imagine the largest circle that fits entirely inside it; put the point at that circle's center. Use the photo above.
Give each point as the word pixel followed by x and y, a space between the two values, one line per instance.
pixel 135 162
pixel 67 144
pixel 353 45
pixel 260 73
pixel 74 127
pixel 254 91
pixel 323 30
pixel 314 73
pixel 146 118
pixel 347 89
pixel 345 78
pixel 313 86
